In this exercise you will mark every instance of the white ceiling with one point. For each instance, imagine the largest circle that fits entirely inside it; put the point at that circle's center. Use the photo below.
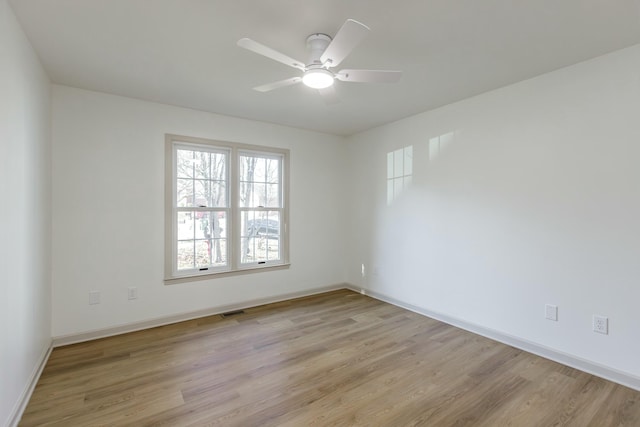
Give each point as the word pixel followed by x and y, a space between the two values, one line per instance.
pixel 184 53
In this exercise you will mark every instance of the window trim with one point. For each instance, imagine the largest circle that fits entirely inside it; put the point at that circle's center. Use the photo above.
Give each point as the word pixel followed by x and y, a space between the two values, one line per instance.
pixel 235 265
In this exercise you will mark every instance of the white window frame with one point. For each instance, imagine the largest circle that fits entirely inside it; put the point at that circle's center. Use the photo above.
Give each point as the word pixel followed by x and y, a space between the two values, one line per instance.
pixel 233 210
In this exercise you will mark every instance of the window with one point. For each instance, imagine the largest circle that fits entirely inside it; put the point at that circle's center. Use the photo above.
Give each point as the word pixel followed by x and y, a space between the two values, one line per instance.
pixel 226 207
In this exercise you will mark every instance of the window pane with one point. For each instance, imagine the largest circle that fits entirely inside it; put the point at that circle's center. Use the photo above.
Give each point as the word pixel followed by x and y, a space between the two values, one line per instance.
pixel 204 226
pixel 273 196
pixel 185 225
pixel 211 253
pixel 218 194
pixel 258 196
pixel 210 224
pixel 272 246
pixel 248 219
pixel 202 165
pixel 218 166
pixel 202 193
pixel 186 255
pixel 273 171
pixel 247 168
pixel 209 193
pixel 219 252
pixel 253 195
pixel 184 164
pixel 247 232
pixel 184 196
pixel 220 225
pixel 246 194
pixel 203 253
pixel 260 170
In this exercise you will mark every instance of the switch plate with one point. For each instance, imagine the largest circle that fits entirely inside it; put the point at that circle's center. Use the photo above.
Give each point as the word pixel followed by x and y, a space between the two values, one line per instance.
pixel 551 312
pixel 132 292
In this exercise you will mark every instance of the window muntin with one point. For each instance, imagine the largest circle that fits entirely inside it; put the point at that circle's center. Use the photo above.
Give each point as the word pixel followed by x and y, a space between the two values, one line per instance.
pixel 228 207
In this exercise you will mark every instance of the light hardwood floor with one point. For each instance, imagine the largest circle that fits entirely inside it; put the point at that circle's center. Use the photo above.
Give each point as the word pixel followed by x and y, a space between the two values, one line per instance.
pixel 336 359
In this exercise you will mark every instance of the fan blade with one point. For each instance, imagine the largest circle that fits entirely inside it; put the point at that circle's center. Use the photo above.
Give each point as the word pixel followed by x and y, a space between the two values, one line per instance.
pixel 329 95
pixel 279 84
pixel 369 76
pixel 348 37
pixel 263 50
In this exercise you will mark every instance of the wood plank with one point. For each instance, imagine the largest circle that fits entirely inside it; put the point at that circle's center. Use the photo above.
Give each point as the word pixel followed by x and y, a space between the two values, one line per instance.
pixel 335 359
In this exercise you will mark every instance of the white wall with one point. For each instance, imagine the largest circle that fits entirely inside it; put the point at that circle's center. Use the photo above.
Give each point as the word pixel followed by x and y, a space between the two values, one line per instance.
pixel 25 230
pixel 535 200
pixel 108 211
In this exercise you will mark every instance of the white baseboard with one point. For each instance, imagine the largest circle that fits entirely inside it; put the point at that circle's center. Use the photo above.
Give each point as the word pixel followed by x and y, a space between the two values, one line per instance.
pixel 21 404
pixel 166 320
pixel 620 377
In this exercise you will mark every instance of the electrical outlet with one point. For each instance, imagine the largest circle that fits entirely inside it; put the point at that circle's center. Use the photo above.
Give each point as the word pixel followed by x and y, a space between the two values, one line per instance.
pixel 600 324
pixel 551 312
pixel 132 292
pixel 94 297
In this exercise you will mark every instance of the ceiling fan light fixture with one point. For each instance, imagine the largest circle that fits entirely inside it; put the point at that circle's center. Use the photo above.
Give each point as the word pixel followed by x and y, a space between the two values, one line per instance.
pixel 318 78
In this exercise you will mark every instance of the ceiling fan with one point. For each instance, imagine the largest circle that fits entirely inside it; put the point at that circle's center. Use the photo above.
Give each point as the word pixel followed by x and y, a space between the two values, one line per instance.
pixel 325 53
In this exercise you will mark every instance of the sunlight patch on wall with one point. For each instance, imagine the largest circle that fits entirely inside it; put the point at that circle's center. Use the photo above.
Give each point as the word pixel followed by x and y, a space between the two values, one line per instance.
pixel 438 144
pixel 399 172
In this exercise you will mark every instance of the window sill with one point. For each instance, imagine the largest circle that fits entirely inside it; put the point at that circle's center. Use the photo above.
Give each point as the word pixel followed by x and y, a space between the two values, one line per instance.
pixel 217 275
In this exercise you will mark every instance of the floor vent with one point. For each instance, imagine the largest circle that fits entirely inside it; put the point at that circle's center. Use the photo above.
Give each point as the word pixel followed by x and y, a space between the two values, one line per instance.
pixel 232 313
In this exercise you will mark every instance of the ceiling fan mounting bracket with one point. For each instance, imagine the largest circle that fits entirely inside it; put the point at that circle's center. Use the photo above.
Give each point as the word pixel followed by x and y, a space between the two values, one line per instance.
pixel 317 43
pixel 319 36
